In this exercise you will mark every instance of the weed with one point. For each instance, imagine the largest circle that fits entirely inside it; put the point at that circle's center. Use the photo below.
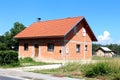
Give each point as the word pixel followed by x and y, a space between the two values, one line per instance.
pixel 27 59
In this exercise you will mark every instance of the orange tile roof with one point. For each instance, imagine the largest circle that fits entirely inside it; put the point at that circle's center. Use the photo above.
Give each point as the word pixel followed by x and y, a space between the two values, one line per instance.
pixel 50 28
pixel 57 27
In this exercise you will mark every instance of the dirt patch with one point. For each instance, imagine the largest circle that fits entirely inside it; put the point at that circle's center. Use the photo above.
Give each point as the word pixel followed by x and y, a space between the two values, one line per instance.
pixel 76 73
pixel 58 75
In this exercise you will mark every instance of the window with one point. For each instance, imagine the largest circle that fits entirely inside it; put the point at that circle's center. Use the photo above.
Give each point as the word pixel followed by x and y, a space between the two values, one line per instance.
pixel 77 48
pixel 86 47
pixel 25 47
pixel 50 47
pixel 75 30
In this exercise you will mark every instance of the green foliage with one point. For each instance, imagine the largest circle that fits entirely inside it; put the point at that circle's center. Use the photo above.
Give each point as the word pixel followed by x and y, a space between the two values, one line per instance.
pixel 98 69
pixel 7 40
pixel 106 70
pixel 3 46
pixel 103 70
pixel 100 58
pixel 95 47
pixel 114 47
pixel 8 57
pixel 16 28
pixel 70 67
pixel 116 76
pixel 109 69
pixel 26 60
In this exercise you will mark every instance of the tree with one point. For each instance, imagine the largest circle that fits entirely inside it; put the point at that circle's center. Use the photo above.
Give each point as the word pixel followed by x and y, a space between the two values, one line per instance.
pixel 9 40
pixel 2 43
pixel 95 47
pixel 113 47
pixel 18 27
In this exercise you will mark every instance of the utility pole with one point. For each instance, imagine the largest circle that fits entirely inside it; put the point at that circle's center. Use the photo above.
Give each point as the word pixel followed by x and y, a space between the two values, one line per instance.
pixel 84 35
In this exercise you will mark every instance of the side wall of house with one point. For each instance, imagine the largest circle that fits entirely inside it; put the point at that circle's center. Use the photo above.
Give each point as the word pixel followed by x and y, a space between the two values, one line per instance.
pixel 72 40
pixel 103 54
pixel 25 53
pixel 43 52
pixel 55 54
pixel 100 53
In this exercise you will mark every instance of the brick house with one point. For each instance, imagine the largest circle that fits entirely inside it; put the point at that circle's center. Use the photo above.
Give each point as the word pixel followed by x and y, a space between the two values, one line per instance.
pixel 68 38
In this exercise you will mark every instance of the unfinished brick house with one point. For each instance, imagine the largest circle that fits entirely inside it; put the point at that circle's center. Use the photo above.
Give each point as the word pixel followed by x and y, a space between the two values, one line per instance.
pixel 68 38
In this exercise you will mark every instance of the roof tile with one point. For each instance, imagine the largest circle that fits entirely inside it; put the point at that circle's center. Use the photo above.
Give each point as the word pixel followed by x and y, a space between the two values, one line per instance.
pixel 49 28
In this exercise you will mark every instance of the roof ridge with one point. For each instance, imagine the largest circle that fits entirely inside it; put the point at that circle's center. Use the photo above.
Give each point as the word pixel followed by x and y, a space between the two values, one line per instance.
pixel 59 19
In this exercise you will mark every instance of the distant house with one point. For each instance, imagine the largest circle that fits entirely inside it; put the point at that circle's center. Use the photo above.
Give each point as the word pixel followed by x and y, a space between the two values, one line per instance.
pixel 68 38
pixel 105 52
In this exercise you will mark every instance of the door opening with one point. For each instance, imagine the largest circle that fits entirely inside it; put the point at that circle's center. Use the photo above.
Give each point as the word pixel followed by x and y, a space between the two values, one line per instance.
pixel 36 47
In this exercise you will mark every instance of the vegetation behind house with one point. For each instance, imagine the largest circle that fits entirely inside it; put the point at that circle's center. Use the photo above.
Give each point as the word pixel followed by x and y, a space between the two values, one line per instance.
pixel 7 42
pixel 113 47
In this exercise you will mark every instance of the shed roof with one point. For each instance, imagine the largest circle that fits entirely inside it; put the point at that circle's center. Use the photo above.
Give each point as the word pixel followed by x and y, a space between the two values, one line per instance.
pixel 106 49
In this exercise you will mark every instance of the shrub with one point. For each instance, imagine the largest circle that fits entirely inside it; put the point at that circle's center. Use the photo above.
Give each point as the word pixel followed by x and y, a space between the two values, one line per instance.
pixel 27 59
pixel 8 57
pixel 101 68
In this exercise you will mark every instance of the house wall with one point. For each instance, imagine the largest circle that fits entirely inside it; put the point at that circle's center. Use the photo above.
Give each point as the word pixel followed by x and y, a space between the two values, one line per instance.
pixel 43 52
pixel 56 54
pixel 100 53
pixel 74 39
pixel 25 53
pixel 103 54
pixel 66 45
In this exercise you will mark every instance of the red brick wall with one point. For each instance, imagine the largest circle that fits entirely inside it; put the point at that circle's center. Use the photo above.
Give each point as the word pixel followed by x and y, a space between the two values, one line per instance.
pixel 25 53
pixel 78 39
pixel 71 40
pixel 44 53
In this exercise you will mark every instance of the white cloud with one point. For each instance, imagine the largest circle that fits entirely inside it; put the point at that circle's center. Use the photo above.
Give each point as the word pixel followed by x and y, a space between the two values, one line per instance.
pixel 105 38
pixel 118 42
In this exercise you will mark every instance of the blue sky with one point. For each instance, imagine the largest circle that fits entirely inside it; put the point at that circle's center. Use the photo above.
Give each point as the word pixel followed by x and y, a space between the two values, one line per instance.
pixel 103 16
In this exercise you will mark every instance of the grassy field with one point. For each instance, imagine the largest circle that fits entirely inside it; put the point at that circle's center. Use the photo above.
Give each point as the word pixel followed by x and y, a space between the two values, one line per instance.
pixel 104 58
pixel 107 69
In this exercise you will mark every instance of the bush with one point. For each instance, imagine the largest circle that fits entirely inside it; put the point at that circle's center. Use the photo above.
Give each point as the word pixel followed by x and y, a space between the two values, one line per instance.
pixel 97 69
pixel 8 57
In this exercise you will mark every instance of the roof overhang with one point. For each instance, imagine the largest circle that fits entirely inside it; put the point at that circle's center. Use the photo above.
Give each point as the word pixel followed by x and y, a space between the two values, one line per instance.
pixel 36 37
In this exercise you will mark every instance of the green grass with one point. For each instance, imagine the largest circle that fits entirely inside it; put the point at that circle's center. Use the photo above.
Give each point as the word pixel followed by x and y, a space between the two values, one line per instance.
pixel 70 70
pixel 24 62
pixel 104 58
pixel 30 62
pixel 105 70
pixel 10 65
pixel 101 58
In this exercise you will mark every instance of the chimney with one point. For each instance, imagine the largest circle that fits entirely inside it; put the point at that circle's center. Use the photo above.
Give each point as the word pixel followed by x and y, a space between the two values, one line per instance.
pixel 38 19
